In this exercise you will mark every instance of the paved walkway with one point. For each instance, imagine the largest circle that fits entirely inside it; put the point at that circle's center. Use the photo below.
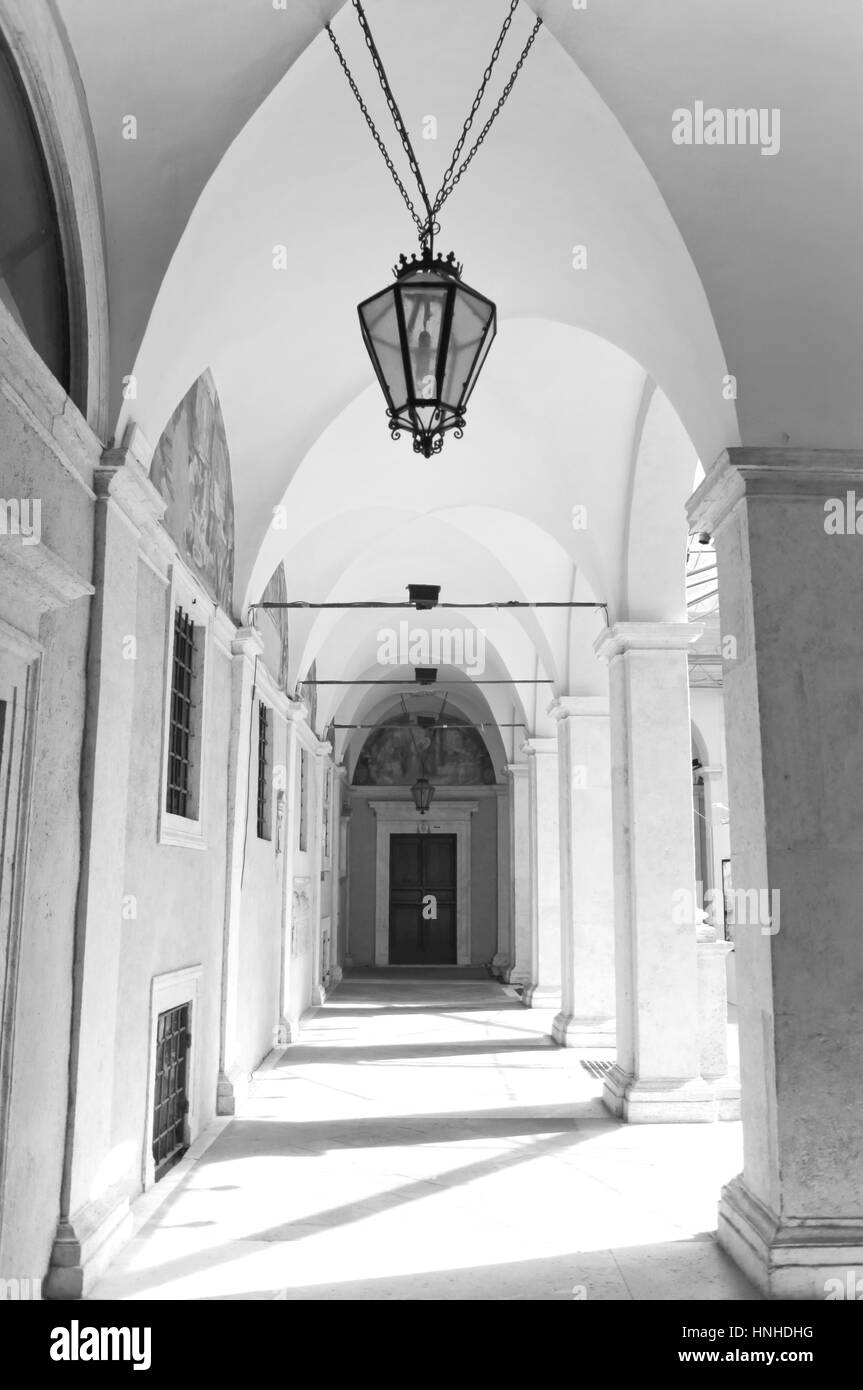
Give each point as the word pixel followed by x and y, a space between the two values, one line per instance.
pixel 425 1140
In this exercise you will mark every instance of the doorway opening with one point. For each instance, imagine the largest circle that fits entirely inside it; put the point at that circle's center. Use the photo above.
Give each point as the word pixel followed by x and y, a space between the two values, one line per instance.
pixel 422 921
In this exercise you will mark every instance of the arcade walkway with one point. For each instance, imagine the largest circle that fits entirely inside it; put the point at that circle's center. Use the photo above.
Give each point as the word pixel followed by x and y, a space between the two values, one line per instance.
pixel 425 1140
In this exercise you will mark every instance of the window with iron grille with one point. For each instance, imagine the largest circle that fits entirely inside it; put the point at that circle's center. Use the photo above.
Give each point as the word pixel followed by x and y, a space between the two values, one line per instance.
pixel 180 792
pixel 304 796
pixel 170 1096
pixel 264 758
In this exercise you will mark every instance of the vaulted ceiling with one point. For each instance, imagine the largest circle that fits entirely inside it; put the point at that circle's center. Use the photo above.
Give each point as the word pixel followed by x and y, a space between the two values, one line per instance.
pixel 606 383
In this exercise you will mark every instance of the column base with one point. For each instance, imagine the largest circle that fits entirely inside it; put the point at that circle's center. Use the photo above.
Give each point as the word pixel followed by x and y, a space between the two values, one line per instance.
pixel 665 1100
pixel 542 996
pixel 569 1031
pixel 793 1257
pixel 516 975
pixel 319 996
pixel 85 1246
pixel 283 1033
pixel 231 1091
pixel 336 975
pixel 727 1093
pixel 500 965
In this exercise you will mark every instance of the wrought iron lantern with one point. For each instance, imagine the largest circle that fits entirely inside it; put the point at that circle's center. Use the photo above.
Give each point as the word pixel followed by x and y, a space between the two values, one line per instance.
pixel 427 335
pixel 422 792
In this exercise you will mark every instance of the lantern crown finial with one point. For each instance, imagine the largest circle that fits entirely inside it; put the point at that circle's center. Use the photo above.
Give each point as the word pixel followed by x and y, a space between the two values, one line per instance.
pixel 428 263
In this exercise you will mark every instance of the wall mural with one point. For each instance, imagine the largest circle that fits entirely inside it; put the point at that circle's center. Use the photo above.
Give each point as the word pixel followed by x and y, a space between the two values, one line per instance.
pixel 453 757
pixel 277 592
pixel 192 470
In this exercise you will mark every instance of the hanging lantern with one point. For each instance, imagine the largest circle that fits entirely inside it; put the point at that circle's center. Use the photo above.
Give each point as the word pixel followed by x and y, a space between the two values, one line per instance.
pixel 422 792
pixel 427 335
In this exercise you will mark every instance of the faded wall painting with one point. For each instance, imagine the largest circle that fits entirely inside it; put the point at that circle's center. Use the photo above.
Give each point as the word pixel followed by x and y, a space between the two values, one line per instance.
pixel 192 470
pixel 396 754
pixel 277 592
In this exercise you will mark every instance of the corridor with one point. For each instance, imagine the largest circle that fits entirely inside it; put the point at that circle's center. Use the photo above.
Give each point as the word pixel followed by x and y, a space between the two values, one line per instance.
pixel 424 1139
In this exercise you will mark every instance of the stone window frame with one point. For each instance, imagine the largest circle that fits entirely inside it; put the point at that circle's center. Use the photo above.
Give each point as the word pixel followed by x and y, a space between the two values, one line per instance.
pixel 186 832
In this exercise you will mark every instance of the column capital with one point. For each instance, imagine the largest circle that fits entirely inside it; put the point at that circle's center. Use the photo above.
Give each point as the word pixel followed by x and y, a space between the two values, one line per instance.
pixel 579 707
pixel 248 643
pixel 122 477
pixel 627 637
pixel 516 769
pixel 741 472
pixel 533 746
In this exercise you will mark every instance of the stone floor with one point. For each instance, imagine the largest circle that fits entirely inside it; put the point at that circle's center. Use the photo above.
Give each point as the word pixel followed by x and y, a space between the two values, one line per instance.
pixel 425 1140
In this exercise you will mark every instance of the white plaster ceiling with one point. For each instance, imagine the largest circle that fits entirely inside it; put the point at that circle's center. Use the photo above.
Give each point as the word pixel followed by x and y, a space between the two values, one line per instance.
pixel 604 384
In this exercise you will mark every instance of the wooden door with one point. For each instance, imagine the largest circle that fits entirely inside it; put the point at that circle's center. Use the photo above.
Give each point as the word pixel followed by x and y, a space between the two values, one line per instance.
pixel 422 900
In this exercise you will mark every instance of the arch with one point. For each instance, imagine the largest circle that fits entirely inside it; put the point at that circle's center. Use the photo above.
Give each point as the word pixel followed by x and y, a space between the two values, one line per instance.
pixel 46 67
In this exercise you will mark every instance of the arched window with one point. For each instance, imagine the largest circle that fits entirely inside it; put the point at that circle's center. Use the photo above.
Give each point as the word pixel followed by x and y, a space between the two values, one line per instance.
pixel 32 274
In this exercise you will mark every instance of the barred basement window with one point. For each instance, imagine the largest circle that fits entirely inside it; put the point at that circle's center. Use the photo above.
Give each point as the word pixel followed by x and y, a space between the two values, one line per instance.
pixel 179 788
pixel 304 796
pixel 170 1095
pixel 263 771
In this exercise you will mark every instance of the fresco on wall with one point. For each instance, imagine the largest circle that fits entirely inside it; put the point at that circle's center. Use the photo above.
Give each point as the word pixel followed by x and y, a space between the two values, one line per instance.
pixel 191 468
pixel 453 757
pixel 277 592
pixel 309 693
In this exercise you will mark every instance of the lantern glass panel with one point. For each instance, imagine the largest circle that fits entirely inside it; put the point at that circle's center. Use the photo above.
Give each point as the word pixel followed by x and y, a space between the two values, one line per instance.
pixel 470 317
pixel 381 331
pixel 424 310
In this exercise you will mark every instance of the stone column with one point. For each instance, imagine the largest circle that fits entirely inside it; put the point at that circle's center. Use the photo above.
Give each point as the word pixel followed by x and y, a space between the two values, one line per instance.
pixel 503 955
pixel 320 756
pixel 713 1022
pixel 245 648
pixel 339 919
pixel 789 543
pixel 586 873
pixel 657 1076
pixel 95 1217
pixel 296 711
pixel 518 972
pixel 544 989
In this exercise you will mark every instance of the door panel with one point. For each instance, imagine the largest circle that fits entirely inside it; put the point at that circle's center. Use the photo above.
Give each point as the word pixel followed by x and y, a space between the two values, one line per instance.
pixel 422 866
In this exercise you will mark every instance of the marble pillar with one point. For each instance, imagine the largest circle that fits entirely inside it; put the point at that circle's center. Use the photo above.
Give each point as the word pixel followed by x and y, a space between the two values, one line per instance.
pixel 789 544
pixel 586 873
pixel 518 971
pixel 657 1075
pixel 543 992
pixel 246 648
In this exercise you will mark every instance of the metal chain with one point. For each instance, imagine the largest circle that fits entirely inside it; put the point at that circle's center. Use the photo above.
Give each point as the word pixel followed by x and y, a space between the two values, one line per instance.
pixel 377 139
pixel 450 180
pixel 476 101
pixel 394 110
pixel 428 227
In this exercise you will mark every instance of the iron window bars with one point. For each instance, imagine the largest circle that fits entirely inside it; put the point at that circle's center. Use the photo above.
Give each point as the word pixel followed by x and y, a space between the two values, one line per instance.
pixel 179 789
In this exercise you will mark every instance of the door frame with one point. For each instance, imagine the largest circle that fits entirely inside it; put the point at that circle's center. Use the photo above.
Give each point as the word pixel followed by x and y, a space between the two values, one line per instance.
pixel 446 818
